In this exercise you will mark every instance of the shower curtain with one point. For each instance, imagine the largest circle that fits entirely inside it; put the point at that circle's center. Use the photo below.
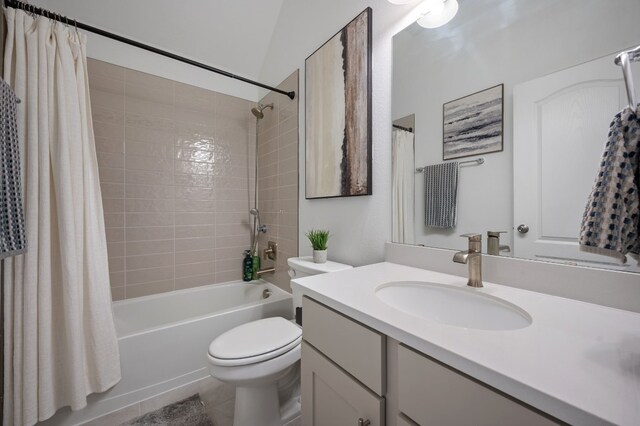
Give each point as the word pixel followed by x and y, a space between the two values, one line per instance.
pixel 402 186
pixel 59 337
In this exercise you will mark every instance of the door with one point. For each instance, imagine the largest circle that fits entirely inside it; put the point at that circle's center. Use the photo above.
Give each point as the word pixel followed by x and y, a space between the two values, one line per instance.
pixel 561 123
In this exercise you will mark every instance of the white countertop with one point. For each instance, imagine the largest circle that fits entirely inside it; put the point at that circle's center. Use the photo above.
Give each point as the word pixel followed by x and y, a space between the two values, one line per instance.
pixel 577 361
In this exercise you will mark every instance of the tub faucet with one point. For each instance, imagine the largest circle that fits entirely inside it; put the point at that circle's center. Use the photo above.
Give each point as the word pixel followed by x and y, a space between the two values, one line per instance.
pixel 472 257
pixel 493 243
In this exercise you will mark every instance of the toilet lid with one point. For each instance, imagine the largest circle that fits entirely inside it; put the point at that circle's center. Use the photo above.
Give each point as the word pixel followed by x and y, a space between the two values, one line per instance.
pixel 256 341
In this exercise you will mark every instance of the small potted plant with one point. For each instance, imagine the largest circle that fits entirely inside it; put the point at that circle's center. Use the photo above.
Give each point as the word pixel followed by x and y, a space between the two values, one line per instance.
pixel 318 239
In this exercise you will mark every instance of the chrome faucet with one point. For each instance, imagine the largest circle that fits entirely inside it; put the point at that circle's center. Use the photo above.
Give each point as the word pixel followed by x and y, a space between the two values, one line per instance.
pixel 472 257
pixel 493 243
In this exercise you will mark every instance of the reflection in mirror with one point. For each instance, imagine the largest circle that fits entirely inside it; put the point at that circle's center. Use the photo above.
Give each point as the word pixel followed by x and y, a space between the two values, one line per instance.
pixel 402 158
pixel 555 59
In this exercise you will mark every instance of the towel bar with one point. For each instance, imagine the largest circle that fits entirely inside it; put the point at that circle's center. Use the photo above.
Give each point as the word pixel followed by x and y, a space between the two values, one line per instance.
pixel 476 161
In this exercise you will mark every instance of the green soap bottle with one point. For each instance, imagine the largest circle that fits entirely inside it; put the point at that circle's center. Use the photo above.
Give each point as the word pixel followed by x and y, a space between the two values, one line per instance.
pixel 255 264
pixel 247 266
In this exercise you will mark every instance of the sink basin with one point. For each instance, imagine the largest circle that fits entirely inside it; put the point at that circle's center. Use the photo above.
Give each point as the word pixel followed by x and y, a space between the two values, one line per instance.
pixel 462 307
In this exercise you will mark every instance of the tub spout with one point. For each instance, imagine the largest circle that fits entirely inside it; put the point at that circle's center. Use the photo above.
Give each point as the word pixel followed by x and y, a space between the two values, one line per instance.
pixel 265 271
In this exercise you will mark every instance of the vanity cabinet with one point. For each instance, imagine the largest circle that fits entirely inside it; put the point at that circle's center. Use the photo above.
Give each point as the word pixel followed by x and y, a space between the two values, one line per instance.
pixel 343 370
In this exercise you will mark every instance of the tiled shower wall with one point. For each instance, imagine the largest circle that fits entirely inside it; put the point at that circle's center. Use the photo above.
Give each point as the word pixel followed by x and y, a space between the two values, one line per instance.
pixel 174 168
pixel 278 177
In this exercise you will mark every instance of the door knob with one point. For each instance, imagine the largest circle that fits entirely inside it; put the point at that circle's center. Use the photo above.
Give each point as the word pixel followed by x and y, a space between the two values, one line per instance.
pixel 363 422
pixel 523 229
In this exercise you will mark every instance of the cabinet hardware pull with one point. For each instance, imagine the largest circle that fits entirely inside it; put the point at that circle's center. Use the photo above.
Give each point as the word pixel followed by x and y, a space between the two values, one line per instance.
pixel 363 422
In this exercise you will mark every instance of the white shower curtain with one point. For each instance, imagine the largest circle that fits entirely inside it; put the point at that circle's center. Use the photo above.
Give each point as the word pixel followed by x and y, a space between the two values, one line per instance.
pixel 59 337
pixel 403 176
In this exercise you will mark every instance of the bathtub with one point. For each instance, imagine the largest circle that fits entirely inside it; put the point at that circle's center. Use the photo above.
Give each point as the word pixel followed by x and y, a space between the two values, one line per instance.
pixel 164 339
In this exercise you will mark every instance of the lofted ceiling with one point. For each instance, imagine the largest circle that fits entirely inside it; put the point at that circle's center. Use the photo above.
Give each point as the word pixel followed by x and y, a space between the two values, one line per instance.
pixel 233 35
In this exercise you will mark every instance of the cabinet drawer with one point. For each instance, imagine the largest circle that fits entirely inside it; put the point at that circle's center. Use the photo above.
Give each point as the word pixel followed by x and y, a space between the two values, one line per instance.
pixel 434 394
pixel 353 346
pixel 331 397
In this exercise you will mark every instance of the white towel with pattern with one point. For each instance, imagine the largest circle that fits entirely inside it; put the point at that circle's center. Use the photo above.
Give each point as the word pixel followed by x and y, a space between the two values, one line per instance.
pixel 611 221
pixel 13 239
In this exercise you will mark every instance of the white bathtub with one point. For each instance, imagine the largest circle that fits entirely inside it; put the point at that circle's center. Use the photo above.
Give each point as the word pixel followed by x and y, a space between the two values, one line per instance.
pixel 164 339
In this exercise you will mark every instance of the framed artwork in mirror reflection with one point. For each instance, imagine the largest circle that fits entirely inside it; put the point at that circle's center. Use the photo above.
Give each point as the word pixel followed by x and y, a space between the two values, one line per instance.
pixel 473 124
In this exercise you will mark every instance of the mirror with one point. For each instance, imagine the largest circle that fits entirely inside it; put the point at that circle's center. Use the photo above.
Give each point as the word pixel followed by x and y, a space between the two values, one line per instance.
pixel 561 89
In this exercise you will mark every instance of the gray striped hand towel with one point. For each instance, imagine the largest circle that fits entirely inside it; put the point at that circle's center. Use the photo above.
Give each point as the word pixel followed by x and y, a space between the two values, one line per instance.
pixel 441 193
pixel 12 229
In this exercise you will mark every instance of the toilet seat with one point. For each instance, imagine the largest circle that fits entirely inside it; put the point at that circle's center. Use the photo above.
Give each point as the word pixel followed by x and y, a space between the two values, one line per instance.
pixel 254 342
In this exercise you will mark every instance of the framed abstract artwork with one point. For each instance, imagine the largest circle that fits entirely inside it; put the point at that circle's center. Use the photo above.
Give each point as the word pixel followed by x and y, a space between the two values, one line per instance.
pixel 338 113
pixel 473 125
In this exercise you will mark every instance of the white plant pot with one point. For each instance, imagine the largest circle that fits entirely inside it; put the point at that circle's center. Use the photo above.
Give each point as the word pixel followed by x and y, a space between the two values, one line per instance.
pixel 319 256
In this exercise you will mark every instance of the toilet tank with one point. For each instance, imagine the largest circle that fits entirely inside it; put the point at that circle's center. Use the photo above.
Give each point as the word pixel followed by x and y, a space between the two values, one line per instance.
pixel 304 266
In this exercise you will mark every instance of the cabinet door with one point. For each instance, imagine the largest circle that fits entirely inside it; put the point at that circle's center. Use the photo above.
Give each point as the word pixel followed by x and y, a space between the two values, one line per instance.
pixel 402 420
pixel 332 397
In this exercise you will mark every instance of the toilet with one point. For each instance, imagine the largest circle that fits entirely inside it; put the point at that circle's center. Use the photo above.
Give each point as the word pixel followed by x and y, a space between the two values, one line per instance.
pixel 261 358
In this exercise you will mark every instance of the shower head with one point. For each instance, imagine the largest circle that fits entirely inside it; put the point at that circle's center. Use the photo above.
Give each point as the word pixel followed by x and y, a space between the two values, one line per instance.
pixel 259 110
pixel 261 228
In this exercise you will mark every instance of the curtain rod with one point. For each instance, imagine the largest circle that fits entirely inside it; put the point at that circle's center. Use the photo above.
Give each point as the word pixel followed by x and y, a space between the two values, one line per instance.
pixel 406 129
pixel 79 25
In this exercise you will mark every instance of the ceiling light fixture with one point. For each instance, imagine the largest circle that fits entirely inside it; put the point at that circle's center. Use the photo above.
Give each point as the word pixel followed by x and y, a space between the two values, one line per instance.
pixel 436 13
pixel 400 1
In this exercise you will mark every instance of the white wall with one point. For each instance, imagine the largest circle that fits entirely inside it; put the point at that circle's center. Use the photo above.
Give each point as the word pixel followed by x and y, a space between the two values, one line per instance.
pixel 134 58
pixel 480 48
pixel 359 225
pixel 216 32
